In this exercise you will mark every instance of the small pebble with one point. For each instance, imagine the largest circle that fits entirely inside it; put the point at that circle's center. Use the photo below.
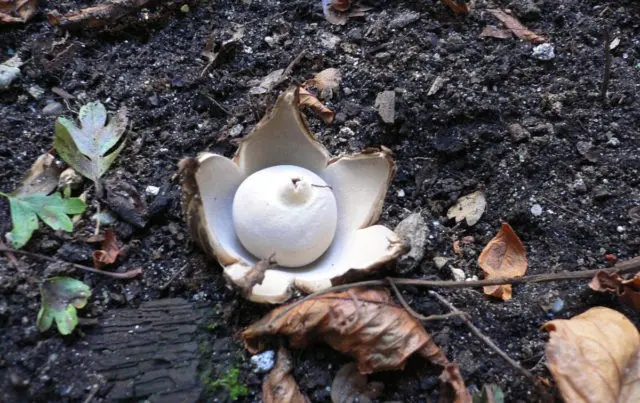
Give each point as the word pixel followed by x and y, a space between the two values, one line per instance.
pixel 440 261
pixel 152 190
pixel 53 108
pixel 620 228
pixel 401 193
pixel 544 52
pixel 536 210
pixel 458 274
pixel 557 305
pixel 263 362
pixel 236 130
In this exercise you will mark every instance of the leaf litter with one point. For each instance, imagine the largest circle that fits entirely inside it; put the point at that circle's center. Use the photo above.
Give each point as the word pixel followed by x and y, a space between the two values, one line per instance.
pixel 279 385
pixel 516 26
pixel 363 323
pixel 594 357
pixel 350 386
pixel 628 291
pixel 504 256
pixel 469 208
pixel 93 146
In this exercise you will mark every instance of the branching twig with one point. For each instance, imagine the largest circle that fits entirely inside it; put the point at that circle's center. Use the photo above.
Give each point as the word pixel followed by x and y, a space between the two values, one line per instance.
pixel 126 275
pixel 415 314
pixel 486 340
pixel 628 266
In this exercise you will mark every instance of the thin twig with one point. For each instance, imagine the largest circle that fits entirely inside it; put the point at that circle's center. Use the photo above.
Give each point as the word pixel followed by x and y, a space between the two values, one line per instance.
pixel 126 275
pixel 287 71
pixel 10 256
pixel 486 340
pixel 607 68
pixel 415 314
pixel 627 266
pixel 174 276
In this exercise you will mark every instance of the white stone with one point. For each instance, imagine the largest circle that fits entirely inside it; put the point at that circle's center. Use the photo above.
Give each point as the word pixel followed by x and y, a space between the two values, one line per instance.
pixel 536 210
pixel 458 274
pixel 544 51
pixel 152 190
pixel 264 361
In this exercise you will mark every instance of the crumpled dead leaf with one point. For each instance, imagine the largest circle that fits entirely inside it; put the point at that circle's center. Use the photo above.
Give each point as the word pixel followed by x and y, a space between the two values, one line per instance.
pixel 459 7
pixel 516 26
pixel 627 290
pixel 364 323
pixel 469 208
pixel 16 11
pixel 594 357
pixel 42 177
pixel 338 12
pixel 327 82
pixel 350 386
pixel 96 16
pixel 305 98
pixel 109 252
pixel 345 321
pixel 279 386
pixel 491 31
pixel 504 256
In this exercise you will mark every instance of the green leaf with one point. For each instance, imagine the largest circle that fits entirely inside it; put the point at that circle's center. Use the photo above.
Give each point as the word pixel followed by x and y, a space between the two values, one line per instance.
pixel 86 148
pixel 59 298
pixel 52 210
pixel 491 393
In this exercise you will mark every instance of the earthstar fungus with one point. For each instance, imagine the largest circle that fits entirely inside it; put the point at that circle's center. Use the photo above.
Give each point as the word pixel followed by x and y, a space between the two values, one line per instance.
pixel 283 198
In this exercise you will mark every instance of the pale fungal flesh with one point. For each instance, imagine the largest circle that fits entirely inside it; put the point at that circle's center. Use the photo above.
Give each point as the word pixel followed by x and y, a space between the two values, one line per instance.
pixel 230 224
pixel 287 213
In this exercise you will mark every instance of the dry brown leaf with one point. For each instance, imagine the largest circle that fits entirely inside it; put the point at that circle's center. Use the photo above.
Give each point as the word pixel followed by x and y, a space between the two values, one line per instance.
pixel 96 16
pixel 504 256
pixel 307 99
pixel 350 386
pixel 346 321
pixel 516 27
pixel 452 384
pixel 109 252
pixel 327 82
pixel 340 5
pixel 364 323
pixel 491 31
pixel 279 386
pixel 459 8
pixel 627 290
pixel 12 11
pixel 469 208
pixel 594 357
pixel 42 177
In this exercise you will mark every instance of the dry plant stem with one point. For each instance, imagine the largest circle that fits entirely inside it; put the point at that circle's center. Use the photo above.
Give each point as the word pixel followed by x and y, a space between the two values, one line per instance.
pixel 174 276
pixel 10 256
pixel 415 314
pixel 627 266
pixel 126 275
pixel 607 69
pixel 486 340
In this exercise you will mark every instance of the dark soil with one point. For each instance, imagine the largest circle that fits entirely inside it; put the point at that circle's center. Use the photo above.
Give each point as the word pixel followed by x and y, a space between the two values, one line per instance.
pixel 446 145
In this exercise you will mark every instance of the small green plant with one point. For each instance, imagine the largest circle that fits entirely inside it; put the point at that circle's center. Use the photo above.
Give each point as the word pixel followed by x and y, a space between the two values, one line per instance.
pixel 92 147
pixel 60 296
pixel 228 381
pixel 51 209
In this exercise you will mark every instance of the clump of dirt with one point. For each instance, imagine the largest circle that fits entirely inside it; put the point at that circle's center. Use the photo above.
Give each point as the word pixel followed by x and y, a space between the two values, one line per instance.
pixel 570 155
